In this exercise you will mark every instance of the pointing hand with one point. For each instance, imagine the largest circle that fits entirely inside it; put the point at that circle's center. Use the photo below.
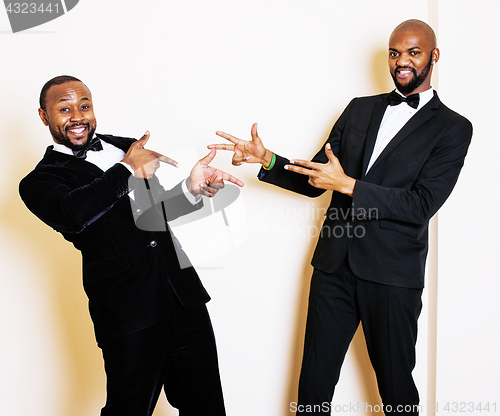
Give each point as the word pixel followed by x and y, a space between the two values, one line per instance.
pixel 252 151
pixel 206 180
pixel 145 162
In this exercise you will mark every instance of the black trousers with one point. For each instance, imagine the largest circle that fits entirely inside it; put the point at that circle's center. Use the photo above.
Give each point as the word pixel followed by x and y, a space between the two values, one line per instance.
pixel 178 355
pixel 338 302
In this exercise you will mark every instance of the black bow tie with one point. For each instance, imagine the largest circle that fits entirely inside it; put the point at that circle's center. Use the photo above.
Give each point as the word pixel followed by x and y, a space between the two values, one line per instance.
pixel 95 144
pixel 396 99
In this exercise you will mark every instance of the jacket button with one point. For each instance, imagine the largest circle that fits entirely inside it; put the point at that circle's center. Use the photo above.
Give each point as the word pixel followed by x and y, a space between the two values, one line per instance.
pixel 153 243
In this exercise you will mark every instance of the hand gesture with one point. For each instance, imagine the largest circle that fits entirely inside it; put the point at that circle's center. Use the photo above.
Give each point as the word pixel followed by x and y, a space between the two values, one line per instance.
pixel 206 180
pixel 245 151
pixel 325 175
pixel 145 162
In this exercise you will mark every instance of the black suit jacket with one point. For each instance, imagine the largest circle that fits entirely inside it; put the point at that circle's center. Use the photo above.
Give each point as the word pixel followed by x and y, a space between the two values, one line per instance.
pixel 130 272
pixel 383 228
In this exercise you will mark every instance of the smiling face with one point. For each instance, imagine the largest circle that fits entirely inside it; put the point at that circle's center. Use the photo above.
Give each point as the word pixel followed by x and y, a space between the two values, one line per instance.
pixel 69 114
pixel 412 52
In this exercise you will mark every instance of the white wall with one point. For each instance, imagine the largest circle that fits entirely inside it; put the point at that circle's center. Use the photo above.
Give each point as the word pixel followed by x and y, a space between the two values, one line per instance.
pixel 184 70
pixel 468 312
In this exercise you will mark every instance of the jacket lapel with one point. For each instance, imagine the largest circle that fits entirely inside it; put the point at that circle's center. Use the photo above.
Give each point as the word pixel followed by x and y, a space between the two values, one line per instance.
pixel 421 117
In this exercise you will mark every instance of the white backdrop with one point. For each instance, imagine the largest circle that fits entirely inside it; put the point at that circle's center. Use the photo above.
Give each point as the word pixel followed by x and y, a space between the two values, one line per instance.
pixel 184 70
pixel 468 306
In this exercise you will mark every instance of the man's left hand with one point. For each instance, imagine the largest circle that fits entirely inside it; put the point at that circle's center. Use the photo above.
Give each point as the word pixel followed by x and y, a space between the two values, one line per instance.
pixel 325 175
pixel 206 180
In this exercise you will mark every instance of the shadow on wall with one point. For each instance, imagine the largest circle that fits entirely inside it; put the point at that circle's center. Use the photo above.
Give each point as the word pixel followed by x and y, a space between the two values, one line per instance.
pixel 382 81
pixel 59 264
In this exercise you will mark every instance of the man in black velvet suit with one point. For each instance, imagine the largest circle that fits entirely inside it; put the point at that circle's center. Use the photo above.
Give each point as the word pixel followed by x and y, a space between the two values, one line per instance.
pixel 391 161
pixel 145 299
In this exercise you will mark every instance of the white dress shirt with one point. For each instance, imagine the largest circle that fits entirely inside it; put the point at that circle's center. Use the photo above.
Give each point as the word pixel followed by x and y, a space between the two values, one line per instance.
pixel 395 117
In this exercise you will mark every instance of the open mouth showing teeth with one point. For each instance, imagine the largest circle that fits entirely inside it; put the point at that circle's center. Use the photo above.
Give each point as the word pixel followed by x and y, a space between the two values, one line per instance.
pixel 404 72
pixel 77 131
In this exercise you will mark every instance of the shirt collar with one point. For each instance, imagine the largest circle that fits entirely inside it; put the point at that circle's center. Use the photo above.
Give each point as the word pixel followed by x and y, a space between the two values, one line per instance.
pixel 63 149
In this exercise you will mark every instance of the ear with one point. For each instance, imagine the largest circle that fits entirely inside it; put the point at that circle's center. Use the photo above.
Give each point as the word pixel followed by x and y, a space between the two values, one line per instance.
pixel 435 55
pixel 43 116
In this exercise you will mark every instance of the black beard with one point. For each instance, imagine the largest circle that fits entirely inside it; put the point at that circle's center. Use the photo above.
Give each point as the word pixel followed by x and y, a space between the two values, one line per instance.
pixel 417 81
pixel 61 138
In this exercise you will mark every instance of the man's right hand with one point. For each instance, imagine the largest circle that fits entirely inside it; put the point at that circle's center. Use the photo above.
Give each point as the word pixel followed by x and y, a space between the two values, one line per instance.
pixel 145 162
pixel 245 151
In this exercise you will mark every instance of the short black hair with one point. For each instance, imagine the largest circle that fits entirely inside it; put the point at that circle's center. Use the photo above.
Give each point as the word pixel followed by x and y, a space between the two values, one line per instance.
pixel 61 79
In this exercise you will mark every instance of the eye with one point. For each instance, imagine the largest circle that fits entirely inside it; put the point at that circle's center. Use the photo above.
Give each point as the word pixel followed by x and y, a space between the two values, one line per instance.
pixel 85 107
pixel 414 53
pixel 393 54
pixel 64 110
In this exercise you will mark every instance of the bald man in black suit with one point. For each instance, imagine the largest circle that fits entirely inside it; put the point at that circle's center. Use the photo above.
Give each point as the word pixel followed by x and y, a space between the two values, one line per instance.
pixel 391 161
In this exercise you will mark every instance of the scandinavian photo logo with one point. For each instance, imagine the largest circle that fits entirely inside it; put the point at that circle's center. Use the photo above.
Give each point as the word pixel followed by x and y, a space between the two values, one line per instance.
pixel 25 15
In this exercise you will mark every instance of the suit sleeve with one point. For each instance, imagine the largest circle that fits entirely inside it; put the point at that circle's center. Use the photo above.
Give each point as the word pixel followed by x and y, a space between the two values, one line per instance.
pixel 70 209
pixel 157 206
pixel 433 185
pixel 296 182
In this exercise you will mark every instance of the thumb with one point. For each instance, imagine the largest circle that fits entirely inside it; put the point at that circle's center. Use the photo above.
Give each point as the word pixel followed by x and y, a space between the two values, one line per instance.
pixel 144 139
pixel 208 158
pixel 255 136
pixel 329 153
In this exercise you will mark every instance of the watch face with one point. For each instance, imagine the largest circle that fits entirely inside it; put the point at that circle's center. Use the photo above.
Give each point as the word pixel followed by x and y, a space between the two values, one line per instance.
pixel 27 14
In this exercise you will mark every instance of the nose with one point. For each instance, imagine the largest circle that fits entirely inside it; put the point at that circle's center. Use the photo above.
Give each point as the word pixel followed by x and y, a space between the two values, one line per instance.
pixel 76 115
pixel 403 60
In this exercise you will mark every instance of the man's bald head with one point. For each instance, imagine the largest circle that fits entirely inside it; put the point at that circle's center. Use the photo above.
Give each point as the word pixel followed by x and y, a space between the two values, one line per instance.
pixel 412 54
pixel 414 25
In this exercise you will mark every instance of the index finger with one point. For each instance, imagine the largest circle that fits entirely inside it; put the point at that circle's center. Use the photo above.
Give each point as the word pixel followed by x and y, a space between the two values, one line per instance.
pixel 232 179
pixel 305 163
pixel 166 159
pixel 221 146
pixel 301 170
pixel 227 136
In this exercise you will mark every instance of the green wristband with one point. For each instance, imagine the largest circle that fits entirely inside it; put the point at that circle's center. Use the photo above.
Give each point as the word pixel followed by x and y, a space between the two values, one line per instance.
pixel 273 161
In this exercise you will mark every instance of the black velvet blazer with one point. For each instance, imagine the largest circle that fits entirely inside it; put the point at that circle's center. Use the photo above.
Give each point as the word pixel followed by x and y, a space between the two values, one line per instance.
pixel 132 265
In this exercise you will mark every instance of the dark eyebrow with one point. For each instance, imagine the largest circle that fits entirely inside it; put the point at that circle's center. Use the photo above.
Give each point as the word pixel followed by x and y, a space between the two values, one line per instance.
pixel 410 49
pixel 67 99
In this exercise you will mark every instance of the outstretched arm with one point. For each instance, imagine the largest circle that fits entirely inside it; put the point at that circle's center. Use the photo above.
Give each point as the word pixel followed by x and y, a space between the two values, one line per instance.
pixel 272 171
